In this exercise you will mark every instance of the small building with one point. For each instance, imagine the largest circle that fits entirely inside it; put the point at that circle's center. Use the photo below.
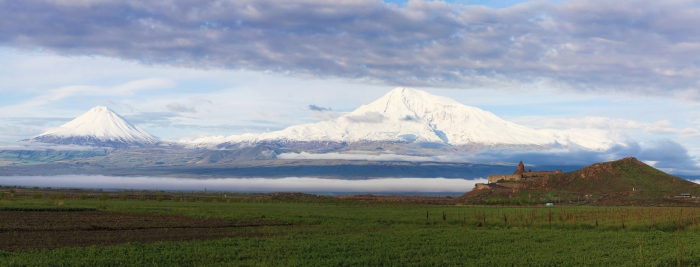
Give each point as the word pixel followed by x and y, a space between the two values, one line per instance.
pixel 685 195
pixel 549 204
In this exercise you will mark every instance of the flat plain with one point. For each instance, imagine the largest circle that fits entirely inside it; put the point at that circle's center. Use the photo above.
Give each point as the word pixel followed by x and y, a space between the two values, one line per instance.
pixel 310 230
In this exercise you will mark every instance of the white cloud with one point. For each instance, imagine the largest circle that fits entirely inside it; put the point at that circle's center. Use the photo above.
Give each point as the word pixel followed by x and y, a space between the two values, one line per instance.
pixel 613 125
pixel 603 123
pixel 126 89
pixel 363 156
pixel 177 107
pixel 367 117
pixel 326 115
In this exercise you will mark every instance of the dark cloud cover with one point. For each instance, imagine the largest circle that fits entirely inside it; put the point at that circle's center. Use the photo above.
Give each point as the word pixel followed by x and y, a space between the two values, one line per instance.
pixel 646 47
pixel 317 108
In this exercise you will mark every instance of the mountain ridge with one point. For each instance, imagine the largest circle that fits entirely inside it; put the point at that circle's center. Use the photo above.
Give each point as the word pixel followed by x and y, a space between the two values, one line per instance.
pixel 406 115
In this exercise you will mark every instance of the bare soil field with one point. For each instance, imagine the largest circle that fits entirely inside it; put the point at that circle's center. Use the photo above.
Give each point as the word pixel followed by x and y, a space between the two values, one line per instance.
pixel 25 230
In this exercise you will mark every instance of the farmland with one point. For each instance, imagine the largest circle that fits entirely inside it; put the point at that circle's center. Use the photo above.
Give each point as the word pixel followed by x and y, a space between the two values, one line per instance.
pixel 307 230
pixel 22 230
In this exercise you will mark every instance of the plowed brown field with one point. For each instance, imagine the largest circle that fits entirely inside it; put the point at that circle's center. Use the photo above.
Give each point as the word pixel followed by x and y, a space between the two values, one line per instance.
pixel 23 230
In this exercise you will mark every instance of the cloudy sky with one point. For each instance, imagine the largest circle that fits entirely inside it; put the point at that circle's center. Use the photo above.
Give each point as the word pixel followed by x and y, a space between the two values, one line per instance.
pixel 186 69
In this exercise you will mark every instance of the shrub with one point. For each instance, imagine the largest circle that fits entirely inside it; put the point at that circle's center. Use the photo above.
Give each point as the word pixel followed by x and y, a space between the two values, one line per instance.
pixel 142 198
pixel 104 197
pixel 220 199
pixel 177 199
pixel 37 195
pixel 192 199
pixel 12 191
pixel 61 196
pixel 83 196
pixel 160 198
pixel 2 194
pixel 123 197
pixel 208 199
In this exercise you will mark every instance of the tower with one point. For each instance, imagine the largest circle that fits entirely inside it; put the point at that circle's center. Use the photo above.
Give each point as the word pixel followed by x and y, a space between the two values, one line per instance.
pixel 521 167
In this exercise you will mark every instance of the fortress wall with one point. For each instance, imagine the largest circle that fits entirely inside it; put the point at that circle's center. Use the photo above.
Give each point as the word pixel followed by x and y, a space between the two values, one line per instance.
pixel 480 186
pixel 496 178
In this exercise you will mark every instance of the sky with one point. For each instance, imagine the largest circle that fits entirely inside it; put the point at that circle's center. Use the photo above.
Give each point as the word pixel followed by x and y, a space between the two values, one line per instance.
pixel 187 69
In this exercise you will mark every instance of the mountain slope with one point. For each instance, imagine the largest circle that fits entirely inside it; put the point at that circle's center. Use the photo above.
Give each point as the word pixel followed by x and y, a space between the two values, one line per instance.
pixel 229 156
pixel 100 126
pixel 409 115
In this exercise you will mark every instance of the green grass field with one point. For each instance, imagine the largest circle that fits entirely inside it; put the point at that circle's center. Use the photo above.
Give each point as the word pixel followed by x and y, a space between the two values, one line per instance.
pixel 392 234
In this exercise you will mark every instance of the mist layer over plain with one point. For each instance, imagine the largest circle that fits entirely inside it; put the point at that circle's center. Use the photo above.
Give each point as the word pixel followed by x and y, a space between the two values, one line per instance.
pixel 290 184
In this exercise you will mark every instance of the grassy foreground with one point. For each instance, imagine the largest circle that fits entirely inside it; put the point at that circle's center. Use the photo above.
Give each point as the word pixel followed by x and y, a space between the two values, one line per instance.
pixel 394 234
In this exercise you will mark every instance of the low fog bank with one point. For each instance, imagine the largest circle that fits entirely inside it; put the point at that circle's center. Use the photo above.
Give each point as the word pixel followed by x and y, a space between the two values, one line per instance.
pixel 291 184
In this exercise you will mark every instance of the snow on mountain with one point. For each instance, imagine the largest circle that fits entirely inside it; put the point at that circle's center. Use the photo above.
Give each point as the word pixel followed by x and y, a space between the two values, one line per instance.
pixel 100 126
pixel 410 115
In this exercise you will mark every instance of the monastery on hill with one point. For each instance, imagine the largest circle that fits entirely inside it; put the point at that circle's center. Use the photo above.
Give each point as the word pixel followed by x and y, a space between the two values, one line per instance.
pixel 519 175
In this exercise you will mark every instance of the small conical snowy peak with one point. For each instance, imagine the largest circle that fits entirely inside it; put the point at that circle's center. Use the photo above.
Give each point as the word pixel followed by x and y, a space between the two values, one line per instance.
pixel 99 126
pixel 410 115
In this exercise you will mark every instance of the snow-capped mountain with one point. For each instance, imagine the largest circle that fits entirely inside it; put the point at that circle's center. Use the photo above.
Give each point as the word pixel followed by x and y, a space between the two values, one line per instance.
pixel 100 126
pixel 410 115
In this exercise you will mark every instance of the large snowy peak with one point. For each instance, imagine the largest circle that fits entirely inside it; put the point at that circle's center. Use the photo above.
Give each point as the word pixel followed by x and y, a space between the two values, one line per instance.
pixel 100 126
pixel 409 115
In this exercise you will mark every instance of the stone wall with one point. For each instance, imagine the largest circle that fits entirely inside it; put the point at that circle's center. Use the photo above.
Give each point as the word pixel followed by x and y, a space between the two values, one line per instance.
pixel 481 186
pixel 496 178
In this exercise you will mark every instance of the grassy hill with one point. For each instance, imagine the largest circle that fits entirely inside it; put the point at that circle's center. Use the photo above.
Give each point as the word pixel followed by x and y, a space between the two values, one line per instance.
pixel 622 182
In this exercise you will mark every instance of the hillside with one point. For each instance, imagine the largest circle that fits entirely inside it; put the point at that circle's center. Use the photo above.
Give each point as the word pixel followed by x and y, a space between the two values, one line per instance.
pixel 623 182
pixel 244 154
